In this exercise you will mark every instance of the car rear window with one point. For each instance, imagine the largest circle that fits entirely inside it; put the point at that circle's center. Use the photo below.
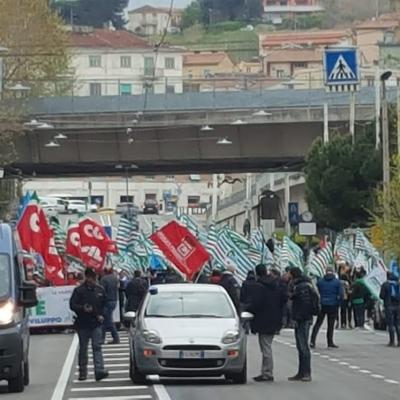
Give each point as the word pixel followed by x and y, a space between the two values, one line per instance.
pixel 189 305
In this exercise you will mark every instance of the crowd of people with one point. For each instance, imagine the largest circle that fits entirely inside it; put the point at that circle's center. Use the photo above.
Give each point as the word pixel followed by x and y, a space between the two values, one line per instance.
pixel 289 300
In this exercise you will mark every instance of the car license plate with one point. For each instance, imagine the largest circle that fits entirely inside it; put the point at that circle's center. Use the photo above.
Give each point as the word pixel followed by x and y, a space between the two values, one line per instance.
pixel 192 354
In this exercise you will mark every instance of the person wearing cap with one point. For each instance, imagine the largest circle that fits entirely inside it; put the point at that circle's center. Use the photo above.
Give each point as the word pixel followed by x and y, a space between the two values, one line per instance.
pixel 231 285
pixel 87 302
pixel 110 283
pixel 331 294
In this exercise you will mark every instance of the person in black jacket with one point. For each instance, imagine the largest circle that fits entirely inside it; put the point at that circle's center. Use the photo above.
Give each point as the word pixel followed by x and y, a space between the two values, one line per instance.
pixel 88 302
pixel 390 294
pixel 231 285
pixel 304 299
pixel 135 291
pixel 266 304
pixel 246 292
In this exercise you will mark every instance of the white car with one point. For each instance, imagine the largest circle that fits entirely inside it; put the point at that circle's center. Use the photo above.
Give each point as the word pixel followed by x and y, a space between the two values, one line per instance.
pixel 187 330
pixel 76 206
pixel 59 204
pixel 49 210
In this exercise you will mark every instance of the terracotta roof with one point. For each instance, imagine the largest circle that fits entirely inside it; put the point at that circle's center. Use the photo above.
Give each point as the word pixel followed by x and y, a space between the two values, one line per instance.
pixel 378 24
pixel 151 9
pixel 107 38
pixel 204 58
pixel 318 37
pixel 294 55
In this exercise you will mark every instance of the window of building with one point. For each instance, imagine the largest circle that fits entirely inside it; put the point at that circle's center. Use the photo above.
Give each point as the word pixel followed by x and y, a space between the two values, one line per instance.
pixel 95 89
pixel 170 178
pixel 170 63
pixel 149 66
pixel 125 89
pixel 248 69
pixel 148 87
pixel 195 178
pixel 94 61
pixel 193 201
pixel 170 88
pixel 126 61
pixel 300 65
pixel 126 199
pixel 150 177
pixel 280 73
pixel 370 81
pixel 207 73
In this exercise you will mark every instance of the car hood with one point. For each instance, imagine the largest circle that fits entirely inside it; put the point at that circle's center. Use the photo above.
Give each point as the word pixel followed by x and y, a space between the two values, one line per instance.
pixel 187 330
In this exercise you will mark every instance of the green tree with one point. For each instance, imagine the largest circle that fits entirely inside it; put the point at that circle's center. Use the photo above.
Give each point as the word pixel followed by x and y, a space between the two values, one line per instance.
pixel 191 15
pixel 96 13
pixel 386 213
pixel 341 178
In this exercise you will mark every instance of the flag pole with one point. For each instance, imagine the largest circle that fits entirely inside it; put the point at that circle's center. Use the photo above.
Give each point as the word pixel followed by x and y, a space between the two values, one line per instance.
pixel 200 272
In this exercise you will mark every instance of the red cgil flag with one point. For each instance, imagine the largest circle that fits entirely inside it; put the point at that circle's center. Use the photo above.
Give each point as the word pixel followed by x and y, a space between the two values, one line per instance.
pixel 95 244
pixel 73 246
pixel 181 248
pixel 37 236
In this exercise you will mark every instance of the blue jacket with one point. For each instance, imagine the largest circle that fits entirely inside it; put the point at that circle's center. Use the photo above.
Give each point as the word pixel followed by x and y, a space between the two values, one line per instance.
pixel 331 290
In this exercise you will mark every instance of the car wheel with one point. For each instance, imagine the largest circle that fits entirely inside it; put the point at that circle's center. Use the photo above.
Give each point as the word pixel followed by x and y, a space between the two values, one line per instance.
pixel 26 373
pixel 16 384
pixel 239 378
pixel 136 377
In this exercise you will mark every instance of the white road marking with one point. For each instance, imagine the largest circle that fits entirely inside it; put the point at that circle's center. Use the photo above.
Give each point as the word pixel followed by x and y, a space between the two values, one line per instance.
pixel 111 354
pixel 62 382
pixel 124 371
pixel 354 367
pixel 316 353
pixel 365 371
pixel 161 392
pixel 138 397
pixel 324 356
pixel 109 366
pixel 292 346
pixel 376 376
pixel 108 359
pixel 344 363
pixel 107 388
pixel 392 381
pixel 333 359
pixel 104 380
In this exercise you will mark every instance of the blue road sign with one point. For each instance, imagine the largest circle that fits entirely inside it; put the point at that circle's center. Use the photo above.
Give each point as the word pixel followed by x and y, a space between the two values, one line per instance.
pixel 293 213
pixel 341 66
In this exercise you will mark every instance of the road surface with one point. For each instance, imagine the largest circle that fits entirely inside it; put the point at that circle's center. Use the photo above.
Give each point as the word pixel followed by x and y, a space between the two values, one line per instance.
pixel 362 368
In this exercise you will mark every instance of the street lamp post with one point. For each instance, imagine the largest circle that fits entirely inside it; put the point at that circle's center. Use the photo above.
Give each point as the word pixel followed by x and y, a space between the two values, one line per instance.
pixel 385 132
pixel 126 169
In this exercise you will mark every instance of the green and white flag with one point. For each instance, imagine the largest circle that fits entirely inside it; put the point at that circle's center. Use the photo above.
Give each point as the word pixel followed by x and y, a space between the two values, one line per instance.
pixel 291 254
pixel 318 263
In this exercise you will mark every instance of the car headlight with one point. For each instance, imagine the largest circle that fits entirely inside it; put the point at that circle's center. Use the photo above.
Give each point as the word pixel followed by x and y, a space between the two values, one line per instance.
pixel 7 313
pixel 151 337
pixel 231 336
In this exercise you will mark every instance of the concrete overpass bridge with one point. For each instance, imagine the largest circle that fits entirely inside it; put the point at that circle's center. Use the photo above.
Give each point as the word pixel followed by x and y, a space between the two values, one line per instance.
pixel 162 134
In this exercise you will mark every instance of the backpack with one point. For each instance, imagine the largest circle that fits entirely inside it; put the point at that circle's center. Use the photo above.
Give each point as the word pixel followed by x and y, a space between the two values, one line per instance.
pixel 315 301
pixel 309 299
pixel 395 292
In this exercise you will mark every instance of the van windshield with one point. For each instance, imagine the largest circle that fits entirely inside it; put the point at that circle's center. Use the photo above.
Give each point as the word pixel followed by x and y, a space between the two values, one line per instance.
pixel 5 275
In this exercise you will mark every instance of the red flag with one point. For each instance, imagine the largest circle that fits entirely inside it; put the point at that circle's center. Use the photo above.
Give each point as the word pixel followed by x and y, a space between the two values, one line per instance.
pixel 181 248
pixel 73 247
pixel 37 236
pixel 95 244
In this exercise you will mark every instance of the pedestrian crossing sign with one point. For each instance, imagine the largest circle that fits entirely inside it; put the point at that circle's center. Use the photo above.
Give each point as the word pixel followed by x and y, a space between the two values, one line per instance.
pixel 341 67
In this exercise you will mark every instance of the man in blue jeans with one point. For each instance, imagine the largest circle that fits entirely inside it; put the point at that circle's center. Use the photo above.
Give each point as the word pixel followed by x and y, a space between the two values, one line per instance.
pixel 110 283
pixel 390 294
pixel 87 301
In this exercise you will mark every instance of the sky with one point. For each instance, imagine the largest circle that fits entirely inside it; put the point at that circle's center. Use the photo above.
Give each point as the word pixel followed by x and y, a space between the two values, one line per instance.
pixel 159 3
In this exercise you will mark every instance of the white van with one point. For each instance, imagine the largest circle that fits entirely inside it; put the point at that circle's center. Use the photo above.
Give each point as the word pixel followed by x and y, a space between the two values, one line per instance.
pixel 58 204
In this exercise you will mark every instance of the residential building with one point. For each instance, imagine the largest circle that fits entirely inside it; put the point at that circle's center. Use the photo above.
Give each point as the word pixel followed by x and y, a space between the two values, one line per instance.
pixel 370 34
pixel 277 10
pixel 189 193
pixel 107 62
pixel 286 52
pixel 148 20
pixel 207 65
pixel 250 67
pixel 284 63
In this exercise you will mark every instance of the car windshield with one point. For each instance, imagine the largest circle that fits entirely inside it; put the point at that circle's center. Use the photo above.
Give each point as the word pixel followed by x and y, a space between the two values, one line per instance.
pixel 189 305
pixel 5 275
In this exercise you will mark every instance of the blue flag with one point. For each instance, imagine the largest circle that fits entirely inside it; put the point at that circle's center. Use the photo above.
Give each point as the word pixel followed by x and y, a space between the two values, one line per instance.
pixel 394 268
pixel 23 203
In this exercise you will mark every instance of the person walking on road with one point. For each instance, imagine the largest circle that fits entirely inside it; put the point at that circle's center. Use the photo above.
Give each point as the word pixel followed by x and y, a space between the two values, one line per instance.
pixel 135 291
pixel 110 283
pixel 305 304
pixel 231 285
pixel 345 308
pixel 266 303
pixel 390 294
pixel 331 294
pixel 87 302
pixel 359 298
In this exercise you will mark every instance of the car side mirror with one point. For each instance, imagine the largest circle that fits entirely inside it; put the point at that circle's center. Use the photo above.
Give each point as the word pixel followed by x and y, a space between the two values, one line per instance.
pixel 130 316
pixel 246 316
pixel 27 295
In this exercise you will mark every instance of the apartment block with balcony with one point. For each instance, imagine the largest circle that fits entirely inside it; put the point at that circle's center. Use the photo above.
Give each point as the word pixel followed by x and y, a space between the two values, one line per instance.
pixel 148 20
pixel 106 62
pixel 276 10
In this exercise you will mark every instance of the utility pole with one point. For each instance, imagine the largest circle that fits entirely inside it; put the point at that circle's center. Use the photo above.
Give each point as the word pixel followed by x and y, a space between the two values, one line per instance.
pixel 377 109
pixel 248 205
pixel 214 203
pixel 352 116
pixel 287 201
pixel 398 119
pixel 385 133
pixel 326 123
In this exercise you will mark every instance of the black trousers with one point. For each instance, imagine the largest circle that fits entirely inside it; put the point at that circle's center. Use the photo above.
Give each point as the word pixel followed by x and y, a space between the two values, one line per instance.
pixel 331 312
pixel 345 313
pixel 359 315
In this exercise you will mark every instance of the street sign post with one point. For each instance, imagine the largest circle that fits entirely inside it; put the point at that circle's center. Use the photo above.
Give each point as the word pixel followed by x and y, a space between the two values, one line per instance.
pixel 341 69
